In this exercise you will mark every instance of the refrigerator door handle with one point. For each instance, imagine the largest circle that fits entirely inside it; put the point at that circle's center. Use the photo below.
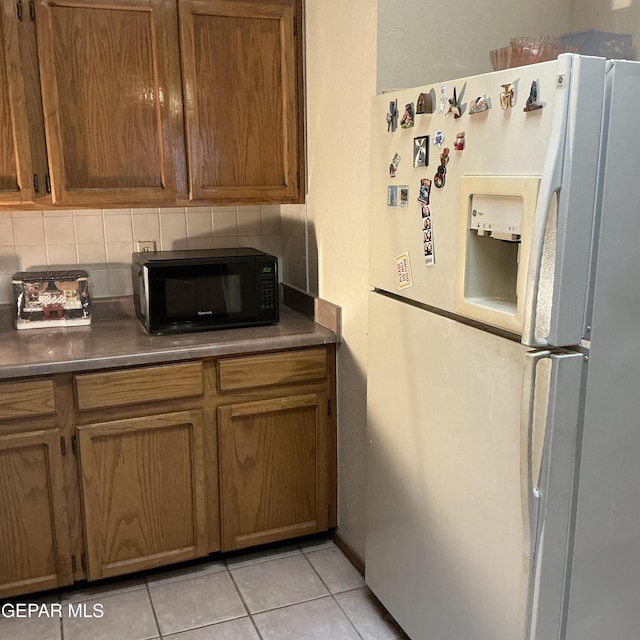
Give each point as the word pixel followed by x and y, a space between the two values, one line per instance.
pixel 549 426
pixel 529 465
pixel 550 185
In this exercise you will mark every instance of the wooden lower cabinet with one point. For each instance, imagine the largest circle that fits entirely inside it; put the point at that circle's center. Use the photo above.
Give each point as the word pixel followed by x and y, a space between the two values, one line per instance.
pixel 274 470
pixel 105 473
pixel 143 489
pixel 34 536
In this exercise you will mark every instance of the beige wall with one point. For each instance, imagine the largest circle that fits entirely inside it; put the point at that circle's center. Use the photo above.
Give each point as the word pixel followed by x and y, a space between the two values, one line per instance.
pixel 340 75
pixel 424 41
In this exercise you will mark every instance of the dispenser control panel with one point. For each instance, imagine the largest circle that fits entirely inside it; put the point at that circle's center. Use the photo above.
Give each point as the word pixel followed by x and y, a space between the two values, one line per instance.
pixel 498 216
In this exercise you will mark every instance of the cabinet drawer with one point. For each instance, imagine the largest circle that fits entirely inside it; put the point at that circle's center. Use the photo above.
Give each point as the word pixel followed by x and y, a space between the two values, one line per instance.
pixel 270 369
pixel 27 398
pixel 145 384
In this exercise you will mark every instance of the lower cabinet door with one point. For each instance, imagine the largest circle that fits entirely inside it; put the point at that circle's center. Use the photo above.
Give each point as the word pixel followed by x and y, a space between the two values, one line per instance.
pixel 35 553
pixel 273 469
pixel 143 492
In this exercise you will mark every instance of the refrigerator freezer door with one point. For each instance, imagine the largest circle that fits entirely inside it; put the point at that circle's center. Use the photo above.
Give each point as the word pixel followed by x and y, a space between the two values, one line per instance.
pixel 498 143
pixel 444 547
pixel 557 145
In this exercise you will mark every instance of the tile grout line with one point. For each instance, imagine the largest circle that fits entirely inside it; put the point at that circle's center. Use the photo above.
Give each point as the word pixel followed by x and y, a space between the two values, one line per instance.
pixel 332 595
pixel 244 604
pixel 153 608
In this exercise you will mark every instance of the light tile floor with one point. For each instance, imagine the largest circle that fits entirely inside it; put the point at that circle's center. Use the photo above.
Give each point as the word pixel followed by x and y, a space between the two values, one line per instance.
pixel 305 591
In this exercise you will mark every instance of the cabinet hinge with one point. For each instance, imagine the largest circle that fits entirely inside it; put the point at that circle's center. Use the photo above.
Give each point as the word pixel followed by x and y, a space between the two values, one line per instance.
pixel 32 10
pixel 36 183
pixel 63 446
pixel 83 562
pixel 73 564
pixel 74 445
pixel 19 9
pixel 47 182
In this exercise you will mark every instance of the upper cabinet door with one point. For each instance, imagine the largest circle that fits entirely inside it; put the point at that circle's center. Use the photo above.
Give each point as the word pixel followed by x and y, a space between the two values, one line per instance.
pixel 239 70
pixel 16 167
pixel 108 72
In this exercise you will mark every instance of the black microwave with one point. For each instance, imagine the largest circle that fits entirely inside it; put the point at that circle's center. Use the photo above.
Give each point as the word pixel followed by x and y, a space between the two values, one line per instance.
pixel 199 290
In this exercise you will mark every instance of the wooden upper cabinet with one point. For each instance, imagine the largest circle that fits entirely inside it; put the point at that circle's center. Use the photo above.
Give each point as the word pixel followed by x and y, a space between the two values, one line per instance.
pixel 109 73
pixel 20 170
pixel 240 73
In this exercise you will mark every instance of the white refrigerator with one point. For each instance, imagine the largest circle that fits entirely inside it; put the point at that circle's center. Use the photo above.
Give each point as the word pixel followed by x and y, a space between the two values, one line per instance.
pixel 503 463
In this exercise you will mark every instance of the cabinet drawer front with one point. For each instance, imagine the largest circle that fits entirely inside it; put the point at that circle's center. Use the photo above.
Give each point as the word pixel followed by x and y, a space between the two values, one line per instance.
pixel 24 399
pixel 145 384
pixel 271 369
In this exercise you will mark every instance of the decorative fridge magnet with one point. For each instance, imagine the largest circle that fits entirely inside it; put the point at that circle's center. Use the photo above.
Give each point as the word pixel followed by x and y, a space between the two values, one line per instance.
pixel 51 299
pixel 508 95
pixel 408 117
pixel 454 107
pixel 403 270
pixel 424 103
pixel 480 104
pixel 393 166
pixel 458 145
pixel 438 138
pixel 427 235
pixel 392 196
pixel 440 178
pixel 425 191
pixel 532 101
pixel 421 151
pixel 392 116
pixel 444 99
pixel 403 196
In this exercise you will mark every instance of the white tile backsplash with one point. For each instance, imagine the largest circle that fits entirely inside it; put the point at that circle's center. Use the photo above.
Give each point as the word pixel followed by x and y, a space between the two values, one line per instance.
pixel 102 240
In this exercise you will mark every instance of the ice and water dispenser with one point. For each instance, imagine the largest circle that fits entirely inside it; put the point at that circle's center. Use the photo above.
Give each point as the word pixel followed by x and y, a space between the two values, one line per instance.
pixel 495 223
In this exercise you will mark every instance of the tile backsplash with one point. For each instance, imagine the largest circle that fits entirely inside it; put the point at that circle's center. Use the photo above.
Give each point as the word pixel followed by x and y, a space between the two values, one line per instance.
pixel 101 240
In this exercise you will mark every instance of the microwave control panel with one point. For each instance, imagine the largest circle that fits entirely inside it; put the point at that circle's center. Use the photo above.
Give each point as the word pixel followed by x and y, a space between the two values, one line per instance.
pixel 267 287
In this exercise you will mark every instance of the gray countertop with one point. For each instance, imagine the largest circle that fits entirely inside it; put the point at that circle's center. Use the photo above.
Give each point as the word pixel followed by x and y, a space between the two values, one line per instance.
pixel 119 343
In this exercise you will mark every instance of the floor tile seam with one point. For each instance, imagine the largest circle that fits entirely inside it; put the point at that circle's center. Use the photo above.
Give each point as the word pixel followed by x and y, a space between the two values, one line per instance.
pixel 104 594
pixel 153 609
pixel 162 582
pixel 202 626
pixel 245 605
pixel 291 604
pixel 347 616
pixel 326 586
pixel 253 563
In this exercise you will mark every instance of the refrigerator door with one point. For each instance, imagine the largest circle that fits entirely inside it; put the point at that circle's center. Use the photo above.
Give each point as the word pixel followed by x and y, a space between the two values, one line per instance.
pixel 605 587
pixel 468 487
pixel 415 248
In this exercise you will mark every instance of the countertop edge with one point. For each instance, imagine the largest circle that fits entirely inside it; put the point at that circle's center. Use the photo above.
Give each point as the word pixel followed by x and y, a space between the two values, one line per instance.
pixel 294 331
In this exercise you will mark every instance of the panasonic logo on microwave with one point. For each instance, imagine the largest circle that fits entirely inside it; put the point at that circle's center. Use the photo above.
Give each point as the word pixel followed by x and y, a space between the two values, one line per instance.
pixel 205 313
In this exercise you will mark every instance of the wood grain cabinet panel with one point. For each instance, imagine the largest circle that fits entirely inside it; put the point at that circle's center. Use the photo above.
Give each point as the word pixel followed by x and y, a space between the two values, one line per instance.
pixel 241 99
pixel 108 71
pixel 27 398
pixel 134 386
pixel 35 553
pixel 17 164
pixel 269 369
pixel 274 471
pixel 143 492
